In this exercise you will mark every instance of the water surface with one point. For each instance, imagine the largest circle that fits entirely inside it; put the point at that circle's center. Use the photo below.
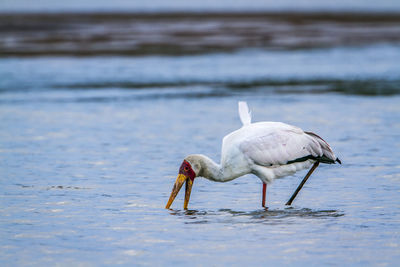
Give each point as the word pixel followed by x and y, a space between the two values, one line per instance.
pixel 90 148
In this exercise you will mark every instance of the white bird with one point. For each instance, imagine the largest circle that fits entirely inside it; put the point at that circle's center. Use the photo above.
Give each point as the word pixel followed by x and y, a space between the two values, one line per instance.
pixel 268 150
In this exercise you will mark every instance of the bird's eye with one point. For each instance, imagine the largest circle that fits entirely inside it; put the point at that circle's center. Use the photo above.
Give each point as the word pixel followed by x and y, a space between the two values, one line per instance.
pixel 186 169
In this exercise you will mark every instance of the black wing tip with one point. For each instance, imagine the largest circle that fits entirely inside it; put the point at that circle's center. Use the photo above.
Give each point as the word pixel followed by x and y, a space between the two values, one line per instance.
pixel 322 159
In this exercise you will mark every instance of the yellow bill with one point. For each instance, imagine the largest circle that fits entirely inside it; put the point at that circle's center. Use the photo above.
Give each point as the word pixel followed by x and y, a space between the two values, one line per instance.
pixel 177 186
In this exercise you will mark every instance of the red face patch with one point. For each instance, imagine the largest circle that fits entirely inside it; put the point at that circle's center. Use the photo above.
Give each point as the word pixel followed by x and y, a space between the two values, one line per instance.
pixel 186 169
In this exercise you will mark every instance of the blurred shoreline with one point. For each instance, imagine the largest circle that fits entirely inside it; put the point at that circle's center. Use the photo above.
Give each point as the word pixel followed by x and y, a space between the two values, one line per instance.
pixel 179 33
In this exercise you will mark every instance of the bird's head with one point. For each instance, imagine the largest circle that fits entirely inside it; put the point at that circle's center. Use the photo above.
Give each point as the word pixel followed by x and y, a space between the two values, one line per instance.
pixel 189 170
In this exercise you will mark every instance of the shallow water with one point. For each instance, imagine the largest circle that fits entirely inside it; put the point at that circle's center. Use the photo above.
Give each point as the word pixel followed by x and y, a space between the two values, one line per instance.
pixel 90 148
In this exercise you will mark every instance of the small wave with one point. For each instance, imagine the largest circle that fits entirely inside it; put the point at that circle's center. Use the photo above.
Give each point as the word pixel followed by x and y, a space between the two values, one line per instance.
pixel 292 86
pixel 131 91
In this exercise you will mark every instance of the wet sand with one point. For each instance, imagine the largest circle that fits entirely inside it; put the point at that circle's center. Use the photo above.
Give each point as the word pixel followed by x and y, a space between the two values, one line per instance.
pixel 91 34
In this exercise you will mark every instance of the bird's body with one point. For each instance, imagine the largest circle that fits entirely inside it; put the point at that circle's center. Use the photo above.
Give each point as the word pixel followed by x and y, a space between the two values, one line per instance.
pixel 272 150
pixel 268 150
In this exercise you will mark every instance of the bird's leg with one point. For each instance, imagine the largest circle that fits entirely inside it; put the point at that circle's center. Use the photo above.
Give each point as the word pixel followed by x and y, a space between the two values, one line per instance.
pixel 302 183
pixel 264 191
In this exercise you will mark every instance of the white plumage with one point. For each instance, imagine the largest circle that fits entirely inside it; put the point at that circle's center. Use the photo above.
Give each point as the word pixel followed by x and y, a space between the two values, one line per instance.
pixel 244 113
pixel 268 150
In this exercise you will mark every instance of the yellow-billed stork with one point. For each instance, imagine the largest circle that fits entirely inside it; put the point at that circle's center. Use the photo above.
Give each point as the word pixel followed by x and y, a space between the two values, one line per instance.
pixel 268 150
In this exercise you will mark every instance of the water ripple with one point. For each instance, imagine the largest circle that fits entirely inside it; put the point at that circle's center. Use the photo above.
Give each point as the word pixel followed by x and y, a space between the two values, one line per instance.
pixel 256 216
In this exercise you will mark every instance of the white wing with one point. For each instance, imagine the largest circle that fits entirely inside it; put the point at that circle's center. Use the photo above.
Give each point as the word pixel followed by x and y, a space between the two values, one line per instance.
pixel 244 113
pixel 273 143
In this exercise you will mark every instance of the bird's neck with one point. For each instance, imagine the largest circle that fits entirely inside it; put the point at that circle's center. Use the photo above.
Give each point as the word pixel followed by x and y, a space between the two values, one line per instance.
pixel 213 171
